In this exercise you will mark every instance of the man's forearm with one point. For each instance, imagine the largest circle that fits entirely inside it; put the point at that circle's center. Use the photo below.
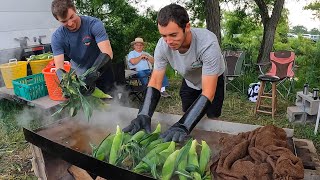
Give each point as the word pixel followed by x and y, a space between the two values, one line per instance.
pixel 59 61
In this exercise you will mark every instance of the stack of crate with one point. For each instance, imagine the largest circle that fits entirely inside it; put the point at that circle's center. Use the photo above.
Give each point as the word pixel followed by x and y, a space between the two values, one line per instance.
pixel 306 108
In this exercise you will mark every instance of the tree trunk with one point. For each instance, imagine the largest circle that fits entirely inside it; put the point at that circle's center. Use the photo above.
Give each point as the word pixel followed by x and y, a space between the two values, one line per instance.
pixel 270 26
pixel 213 17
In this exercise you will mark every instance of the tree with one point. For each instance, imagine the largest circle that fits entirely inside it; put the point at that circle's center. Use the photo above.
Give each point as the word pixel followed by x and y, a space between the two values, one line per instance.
pixel 270 24
pixel 122 22
pixel 208 11
pixel 314 6
pixel 299 29
pixel 314 31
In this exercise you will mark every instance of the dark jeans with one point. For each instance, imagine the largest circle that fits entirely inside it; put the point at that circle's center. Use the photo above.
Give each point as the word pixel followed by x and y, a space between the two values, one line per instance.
pixel 189 95
pixel 143 78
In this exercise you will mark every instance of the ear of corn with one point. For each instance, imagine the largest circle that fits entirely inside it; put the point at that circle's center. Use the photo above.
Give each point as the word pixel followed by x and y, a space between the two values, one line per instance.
pixel 204 157
pixel 182 159
pixel 149 138
pixel 193 160
pixel 100 94
pixel 165 153
pixel 153 144
pixel 169 166
pixel 104 148
pixel 158 129
pixel 137 136
pixel 143 166
pixel 116 144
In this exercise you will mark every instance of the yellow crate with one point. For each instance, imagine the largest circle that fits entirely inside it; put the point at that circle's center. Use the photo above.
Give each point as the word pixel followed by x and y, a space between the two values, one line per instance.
pixel 13 70
pixel 38 65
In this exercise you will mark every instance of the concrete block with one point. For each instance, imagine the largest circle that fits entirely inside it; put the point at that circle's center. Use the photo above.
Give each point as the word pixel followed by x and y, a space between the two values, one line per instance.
pixel 296 114
pixel 311 105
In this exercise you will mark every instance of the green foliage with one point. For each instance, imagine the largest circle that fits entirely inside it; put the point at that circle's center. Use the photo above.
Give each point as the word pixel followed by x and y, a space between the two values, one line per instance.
pixel 122 22
pixel 314 6
pixel 299 29
pixel 314 31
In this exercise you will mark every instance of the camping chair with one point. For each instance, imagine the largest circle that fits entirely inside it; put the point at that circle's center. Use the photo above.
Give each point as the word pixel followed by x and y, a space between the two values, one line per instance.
pixel 281 70
pixel 234 63
pixel 136 88
pixel 282 64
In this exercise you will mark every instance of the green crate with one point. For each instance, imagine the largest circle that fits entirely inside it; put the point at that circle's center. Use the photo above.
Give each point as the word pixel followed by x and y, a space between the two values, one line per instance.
pixel 31 87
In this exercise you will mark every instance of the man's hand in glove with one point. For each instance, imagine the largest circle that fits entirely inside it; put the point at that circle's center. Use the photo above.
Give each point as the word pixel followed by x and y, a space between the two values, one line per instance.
pixel 141 122
pixel 176 133
pixel 60 73
pixel 180 130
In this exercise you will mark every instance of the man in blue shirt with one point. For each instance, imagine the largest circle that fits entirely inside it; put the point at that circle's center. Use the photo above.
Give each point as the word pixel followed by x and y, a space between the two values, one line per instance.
pixel 140 61
pixel 82 39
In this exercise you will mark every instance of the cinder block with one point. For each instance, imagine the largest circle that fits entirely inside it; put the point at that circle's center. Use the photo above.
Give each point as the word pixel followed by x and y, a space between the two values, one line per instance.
pixel 296 114
pixel 311 105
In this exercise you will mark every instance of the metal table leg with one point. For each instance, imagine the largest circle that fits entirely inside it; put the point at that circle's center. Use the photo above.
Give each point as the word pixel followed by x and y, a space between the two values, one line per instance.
pixel 317 122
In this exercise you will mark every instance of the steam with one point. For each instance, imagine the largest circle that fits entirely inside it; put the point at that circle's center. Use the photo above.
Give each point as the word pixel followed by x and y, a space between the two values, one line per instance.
pixel 31 117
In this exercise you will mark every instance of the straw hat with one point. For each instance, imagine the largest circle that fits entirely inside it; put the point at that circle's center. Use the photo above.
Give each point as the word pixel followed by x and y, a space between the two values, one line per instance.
pixel 137 40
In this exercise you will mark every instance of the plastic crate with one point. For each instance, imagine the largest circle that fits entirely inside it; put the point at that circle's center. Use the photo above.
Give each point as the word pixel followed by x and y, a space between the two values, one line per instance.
pixel 38 65
pixel 31 87
pixel 13 70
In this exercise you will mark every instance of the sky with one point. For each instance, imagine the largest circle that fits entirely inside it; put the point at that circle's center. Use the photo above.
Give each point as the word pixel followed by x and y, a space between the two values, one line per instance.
pixel 297 16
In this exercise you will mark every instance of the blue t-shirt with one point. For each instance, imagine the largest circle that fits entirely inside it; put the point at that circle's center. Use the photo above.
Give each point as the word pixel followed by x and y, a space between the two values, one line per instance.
pixel 80 46
pixel 141 65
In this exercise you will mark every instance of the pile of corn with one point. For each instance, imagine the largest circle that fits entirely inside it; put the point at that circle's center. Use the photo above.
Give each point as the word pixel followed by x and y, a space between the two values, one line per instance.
pixel 43 56
pixel 148 154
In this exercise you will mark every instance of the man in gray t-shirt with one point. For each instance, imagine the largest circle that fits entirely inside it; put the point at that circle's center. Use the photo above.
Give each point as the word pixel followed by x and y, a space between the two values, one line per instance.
pixel 195 53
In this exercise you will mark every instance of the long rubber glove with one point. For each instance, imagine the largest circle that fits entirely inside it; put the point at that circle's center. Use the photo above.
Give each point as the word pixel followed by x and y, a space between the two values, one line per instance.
pixel 180 130
pixel 143 119
pixel 90 77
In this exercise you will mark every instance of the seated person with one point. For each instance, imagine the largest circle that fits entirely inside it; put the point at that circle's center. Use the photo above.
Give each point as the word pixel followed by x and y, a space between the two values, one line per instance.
pixel 139 61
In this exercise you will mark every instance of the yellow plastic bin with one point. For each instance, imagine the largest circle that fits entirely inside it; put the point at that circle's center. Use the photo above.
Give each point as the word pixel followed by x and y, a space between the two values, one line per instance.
pixel 13 70
pixel 38 65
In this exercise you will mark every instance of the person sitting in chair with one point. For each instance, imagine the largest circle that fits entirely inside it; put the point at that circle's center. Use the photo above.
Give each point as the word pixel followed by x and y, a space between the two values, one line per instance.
pixel 140 60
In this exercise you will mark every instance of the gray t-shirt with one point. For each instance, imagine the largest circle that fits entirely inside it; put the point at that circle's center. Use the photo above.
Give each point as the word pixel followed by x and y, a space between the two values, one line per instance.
pixel 203 57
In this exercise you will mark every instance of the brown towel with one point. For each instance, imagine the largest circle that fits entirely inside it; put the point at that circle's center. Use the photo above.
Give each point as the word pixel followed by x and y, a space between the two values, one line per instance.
pixel 260 154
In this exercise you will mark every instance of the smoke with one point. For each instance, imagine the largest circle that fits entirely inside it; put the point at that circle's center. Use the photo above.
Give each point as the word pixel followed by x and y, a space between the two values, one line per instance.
pixel 31 117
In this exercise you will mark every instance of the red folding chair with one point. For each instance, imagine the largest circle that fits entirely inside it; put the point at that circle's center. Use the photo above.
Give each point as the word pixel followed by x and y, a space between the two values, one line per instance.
pixel 282 69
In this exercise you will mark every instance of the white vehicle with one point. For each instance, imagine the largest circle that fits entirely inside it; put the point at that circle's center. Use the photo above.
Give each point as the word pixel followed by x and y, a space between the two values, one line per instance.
pixel 26 26
pixel 291 35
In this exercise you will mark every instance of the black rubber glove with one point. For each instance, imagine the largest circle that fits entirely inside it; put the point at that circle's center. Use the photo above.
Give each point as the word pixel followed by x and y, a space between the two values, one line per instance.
pixel 60 72
pixel 180 130
pixel 100 64
pixel 143 120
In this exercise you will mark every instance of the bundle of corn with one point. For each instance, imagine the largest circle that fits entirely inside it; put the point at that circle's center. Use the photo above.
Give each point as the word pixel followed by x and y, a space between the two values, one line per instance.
pixel 148 154
pixel 71 86
pixel 43 56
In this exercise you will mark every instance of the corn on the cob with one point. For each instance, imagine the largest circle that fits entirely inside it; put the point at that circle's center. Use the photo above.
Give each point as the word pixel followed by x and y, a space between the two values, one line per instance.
pixel 104 148
pixel 169 166
pixel 137 136
pixel 204 157
pixel 100 94
pixel 193 160
pixel 116 144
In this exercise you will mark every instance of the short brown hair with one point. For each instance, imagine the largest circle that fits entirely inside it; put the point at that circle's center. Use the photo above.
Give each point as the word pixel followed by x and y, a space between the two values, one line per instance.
pixel 174 13
pixel 60 8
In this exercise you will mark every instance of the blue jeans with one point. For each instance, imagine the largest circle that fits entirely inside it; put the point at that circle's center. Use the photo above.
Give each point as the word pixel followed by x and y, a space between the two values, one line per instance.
pixel 144 74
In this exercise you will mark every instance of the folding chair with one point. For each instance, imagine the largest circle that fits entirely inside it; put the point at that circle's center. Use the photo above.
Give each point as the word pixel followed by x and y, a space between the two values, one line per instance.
pixel 135 87
pixel 281 71
pixel 234 63
pixel 282 64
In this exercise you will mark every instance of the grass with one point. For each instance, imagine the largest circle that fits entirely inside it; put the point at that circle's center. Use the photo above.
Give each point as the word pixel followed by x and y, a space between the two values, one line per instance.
pixel 15 155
